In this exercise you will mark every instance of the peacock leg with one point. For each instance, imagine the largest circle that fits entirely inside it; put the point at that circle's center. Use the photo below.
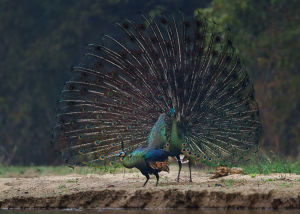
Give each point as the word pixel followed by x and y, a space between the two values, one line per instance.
pixel 179 165
pixel 157 177
pixel 147 178
pixel 190 169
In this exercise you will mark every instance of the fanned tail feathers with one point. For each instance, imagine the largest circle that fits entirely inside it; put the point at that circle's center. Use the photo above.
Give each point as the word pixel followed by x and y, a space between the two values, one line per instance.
pixel 121 88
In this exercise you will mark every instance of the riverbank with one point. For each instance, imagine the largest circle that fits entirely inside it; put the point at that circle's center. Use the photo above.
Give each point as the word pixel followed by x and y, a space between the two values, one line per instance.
pixel 124 190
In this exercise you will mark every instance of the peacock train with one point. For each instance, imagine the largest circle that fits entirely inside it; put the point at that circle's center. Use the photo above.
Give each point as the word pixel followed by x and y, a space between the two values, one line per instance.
pixel 163 87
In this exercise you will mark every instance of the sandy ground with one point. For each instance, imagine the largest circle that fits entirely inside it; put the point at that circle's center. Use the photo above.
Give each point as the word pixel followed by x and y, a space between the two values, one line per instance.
pixel 125 190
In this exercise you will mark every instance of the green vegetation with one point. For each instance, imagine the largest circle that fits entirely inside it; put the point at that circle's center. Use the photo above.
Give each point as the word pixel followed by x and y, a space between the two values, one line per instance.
pixel 61 187
pixel 286 185
pixel 275 166
pixel 31 171
pixel 34 171
pixel 229 182
pixel 72 181
pixel 253 169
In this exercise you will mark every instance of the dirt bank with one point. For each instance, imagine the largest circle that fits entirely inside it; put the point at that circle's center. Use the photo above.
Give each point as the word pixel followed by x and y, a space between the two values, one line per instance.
pixel 124 191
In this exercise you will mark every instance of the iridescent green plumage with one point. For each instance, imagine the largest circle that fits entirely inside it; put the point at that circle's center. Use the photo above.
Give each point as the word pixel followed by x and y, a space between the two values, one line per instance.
pixel 166 85
pixel 147 160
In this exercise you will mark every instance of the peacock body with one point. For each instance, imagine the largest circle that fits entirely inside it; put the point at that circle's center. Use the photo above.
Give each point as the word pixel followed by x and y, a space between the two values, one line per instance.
pixel 164 88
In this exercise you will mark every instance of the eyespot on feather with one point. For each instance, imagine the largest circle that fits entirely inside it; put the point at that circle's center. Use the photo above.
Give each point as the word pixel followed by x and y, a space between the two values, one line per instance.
pixel 97 142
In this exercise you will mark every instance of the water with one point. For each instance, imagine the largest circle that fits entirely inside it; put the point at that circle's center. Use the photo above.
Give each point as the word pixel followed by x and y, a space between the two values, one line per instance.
pixel 151 211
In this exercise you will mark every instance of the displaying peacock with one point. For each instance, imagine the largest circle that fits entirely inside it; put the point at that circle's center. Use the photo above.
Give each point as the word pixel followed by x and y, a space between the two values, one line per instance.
pixel 164 88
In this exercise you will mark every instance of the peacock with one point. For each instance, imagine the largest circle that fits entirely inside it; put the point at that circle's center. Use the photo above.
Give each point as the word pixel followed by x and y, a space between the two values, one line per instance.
pixel 150 159
pixel 164 87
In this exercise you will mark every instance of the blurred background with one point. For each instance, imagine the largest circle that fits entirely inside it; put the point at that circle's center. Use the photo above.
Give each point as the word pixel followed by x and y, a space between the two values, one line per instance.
pixel 41 40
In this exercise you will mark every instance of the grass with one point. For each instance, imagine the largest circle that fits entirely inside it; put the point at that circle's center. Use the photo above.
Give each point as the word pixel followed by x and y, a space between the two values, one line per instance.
pixel 229 182
pixel 264 165
pixel 61 187
pixel 286 185
pixel 272 166
pixel 34 171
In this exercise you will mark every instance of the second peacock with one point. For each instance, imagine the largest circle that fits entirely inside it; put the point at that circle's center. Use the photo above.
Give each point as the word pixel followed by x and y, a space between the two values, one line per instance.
pixel 164 87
